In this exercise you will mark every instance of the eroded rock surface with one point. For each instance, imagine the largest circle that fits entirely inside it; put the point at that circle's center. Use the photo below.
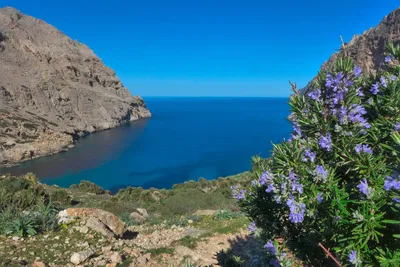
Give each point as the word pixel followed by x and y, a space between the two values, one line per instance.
pixel 53 90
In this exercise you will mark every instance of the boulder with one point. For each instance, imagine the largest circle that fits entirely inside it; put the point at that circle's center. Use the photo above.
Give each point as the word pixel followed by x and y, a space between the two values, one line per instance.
pixel 96 225
pixel 104 221
pixel 80 257
pixel 116 257
pixel 140 215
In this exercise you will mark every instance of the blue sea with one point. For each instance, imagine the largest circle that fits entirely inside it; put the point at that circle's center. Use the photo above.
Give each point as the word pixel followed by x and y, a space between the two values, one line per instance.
pixel 186 138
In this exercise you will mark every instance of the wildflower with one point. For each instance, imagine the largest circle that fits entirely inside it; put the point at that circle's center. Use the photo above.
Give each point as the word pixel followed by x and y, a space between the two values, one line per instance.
pixel 363 148
pixel 274 262
pixel 326 142
pixel 383 82
pixel 390 183
pixel 252 227
pixel 397 127
pixel 363 188
pixel 319 198
pixel 353 258
pixel 393 78
pixel 315 95
pixel 270 188
pixel 237 193
pixel 357 71
pixel 342 115
pixel 369 101
pixel 309 155
pixel 396 199
pixel 296 128
pixel 321 172
pixel 375 88
pixel 359 92
pixel 297 211
pixel 254 183
pixel 297 187
pixel 241 195
pixel 292 176
pixel 389 58
pixel 265 177
pixel 270 247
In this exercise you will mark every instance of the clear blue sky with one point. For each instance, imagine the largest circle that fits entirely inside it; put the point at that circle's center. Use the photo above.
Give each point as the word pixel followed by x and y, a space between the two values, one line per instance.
pixel 210 47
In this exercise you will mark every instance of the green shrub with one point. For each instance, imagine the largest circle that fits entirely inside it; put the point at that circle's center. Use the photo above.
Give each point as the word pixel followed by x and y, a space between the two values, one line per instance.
pixel 336 182
pixel 61 197
pixel 24 225
pixel 89 187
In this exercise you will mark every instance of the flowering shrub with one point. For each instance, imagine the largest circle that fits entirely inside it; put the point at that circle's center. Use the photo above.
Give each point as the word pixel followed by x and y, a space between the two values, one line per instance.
pixel 335 183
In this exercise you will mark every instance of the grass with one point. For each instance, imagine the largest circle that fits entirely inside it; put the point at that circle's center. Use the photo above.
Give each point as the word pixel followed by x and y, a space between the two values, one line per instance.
pixel 159 251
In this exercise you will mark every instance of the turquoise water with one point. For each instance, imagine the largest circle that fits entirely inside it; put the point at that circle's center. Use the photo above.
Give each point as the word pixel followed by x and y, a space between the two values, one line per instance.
pixel 186 138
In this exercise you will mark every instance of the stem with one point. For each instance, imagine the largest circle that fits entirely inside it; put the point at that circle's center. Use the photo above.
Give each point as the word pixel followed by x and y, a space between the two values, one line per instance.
pixel 329 255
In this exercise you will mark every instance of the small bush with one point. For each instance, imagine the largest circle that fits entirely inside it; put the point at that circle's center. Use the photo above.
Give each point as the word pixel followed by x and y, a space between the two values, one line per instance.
pixel 89 187
pixel 60 196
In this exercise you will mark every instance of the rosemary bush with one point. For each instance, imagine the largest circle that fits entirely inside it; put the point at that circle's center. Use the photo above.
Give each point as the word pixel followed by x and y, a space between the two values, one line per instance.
pixel 335 182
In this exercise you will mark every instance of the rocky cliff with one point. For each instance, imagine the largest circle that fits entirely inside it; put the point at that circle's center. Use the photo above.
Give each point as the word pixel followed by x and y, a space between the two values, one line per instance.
pixel 367 49
pixel 53 90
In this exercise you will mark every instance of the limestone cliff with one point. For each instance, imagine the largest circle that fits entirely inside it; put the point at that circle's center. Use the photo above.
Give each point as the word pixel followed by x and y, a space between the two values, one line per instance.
pixel 53 90
pixel 367 49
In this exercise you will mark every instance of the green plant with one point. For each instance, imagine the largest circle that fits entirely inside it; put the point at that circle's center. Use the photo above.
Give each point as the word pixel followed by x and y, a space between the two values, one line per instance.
pixel 227 215
pixel 23 226
pixel 89 187
pixel 127 219
pixel 45 217
pixel 61 197
pixel 335 183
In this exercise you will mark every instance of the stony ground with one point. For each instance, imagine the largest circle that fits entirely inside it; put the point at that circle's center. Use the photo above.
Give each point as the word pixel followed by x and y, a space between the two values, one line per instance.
pixel 208 242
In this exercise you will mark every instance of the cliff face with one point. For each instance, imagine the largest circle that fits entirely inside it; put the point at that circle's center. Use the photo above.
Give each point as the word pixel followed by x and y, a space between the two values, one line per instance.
pixel 53 90
pixel 367 49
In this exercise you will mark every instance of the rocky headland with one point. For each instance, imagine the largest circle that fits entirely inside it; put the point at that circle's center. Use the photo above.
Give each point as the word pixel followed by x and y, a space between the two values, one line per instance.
pixel 53 90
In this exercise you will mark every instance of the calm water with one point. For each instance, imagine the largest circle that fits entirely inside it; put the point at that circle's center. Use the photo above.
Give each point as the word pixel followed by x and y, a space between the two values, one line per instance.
pixel 186 138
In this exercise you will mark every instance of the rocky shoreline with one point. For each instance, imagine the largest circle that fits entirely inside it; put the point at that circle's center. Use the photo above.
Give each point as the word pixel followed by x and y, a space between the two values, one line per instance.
pixel 54 90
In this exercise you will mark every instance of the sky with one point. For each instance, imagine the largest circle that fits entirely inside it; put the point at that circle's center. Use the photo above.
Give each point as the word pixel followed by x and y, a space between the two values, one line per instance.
pixel 210 47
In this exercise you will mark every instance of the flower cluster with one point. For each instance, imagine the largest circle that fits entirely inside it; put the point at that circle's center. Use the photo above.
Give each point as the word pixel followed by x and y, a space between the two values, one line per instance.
pixel 363 148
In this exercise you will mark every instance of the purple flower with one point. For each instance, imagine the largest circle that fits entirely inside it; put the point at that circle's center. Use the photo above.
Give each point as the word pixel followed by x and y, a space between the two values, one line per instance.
pixel 254 183
pixel 297 187
pixel 396 199
pixel 342 114
pixel 326 142
pixel 383 82
pixel 363 148
pixel 359 92
pixel 241 195
pixel 375 88
pixel 309 155
pixel 292 176
pixel 237 193
pixel 358 148
pixel 353 258
pixel 265 177
pixel 319 198
pixel 274 262
pixel 270 247
pixel 315 94
pixel 393 78
pixel 321 172
pixel 397 127
pixel 363 188
pixel 296 128
pixel 367 149
pixel 270 188
pixel 297 211
pixel 389 58
pixel 252 227
pixel 390 183
pixel 357 71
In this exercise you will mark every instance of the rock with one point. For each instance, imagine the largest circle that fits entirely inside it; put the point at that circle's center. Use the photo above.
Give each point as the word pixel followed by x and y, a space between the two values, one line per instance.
pixel 38 264
pixel 143 212
pixel 105 250
pixel 116 257
pixel 80 257
pixel 82 229
pixel 134 252
pixel 111 265
pixel 141 260
pixel 53 89
pixel 140 215
pixel 96 225
pixel 15 238
pixel 105 222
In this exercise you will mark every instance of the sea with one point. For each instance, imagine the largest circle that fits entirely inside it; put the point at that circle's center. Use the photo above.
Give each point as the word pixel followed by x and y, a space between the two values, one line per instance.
pixel 186 138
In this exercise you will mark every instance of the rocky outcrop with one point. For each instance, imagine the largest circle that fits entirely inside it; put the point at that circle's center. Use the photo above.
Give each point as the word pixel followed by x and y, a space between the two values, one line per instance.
pixel 99 220
pixel 53 90
pixel 368 48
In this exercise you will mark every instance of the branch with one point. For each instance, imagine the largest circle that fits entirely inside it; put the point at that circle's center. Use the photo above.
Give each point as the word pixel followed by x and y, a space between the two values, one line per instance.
pixel 329 255
pixel 294 87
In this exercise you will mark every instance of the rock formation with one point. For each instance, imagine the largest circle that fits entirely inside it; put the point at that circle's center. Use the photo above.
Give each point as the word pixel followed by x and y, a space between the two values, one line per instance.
pixel 53 90
pixel 367 49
